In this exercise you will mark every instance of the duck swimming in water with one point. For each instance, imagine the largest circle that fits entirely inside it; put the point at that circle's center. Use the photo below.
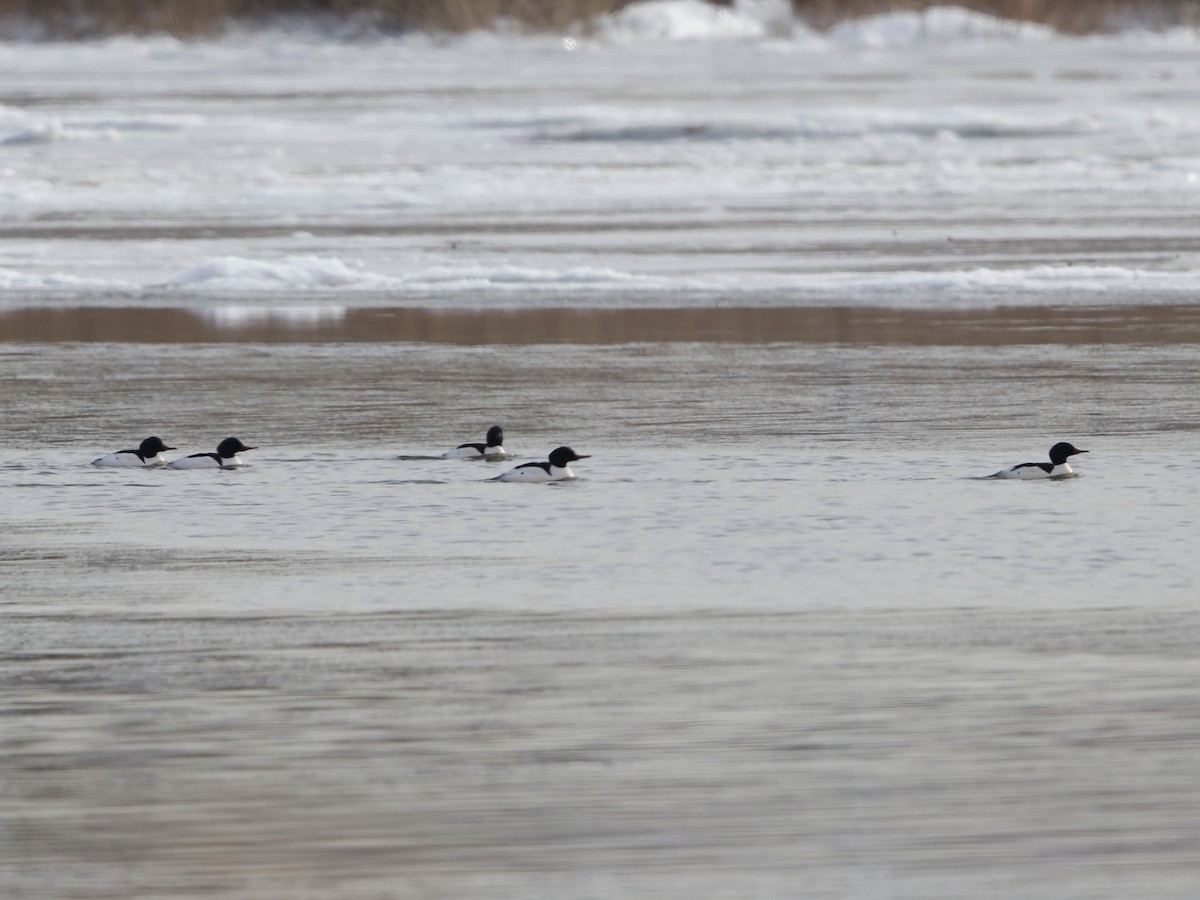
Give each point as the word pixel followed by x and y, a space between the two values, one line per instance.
pixel 226 457
pixel 492 448
pixel 148 453
pixel 1056 468
pixel 556 468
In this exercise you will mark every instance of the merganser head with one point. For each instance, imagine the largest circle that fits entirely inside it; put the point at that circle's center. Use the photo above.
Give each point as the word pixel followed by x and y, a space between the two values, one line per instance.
pixel 562 456
pixel 495 436
pixel 231 447
pixel 1060 451
pixel 151 447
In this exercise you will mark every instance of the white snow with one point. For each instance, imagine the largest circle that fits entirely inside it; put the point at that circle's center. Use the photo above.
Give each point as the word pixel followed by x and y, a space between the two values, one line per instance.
pixel 938 24
pixel 682 154
pixel 298 276
pixel 12 280
pixel 693 20
pixel 231 272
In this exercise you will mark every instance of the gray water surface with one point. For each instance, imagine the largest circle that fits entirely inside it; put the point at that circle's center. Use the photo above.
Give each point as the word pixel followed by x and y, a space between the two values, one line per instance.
pixel 778 639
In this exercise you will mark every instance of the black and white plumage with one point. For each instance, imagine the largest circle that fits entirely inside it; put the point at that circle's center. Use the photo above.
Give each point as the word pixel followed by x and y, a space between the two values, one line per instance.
pixel 226 457
pixel 1056 468
pixel 556 468
pixel 148 454
pixel 491 448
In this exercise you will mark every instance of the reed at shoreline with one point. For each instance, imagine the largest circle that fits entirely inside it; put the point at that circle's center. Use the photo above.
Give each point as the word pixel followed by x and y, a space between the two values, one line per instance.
pixel 198 18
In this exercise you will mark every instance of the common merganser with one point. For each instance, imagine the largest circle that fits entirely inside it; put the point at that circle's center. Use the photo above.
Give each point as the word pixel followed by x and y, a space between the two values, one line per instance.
pixel 148 453
pixel 555 469
pixel 493 448
pixel 1056 468
pixel 226 457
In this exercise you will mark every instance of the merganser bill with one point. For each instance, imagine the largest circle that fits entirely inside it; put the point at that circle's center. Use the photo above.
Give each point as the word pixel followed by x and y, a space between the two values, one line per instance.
pixel 492 448
pixel 148 453
pixel 226 457
pixel 1056 468
pixel 555 469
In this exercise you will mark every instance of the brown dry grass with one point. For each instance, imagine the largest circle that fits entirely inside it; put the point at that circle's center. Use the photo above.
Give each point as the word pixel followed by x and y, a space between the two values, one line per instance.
pixel 189 18
pixel 183 18
pixel 1072 16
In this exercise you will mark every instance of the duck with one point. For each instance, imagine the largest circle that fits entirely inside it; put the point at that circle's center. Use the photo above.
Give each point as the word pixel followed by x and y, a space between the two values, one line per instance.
pixel 226 457
pixel 1056 468
pixel 556 468
pixel 491 448
pixel 148 454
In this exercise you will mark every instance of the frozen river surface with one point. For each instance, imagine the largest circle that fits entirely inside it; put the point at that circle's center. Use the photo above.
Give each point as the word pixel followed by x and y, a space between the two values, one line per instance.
pixel 964 164
pixel 794 294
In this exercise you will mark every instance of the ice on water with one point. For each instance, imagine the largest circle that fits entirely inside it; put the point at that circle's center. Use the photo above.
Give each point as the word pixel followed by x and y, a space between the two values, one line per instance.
pixel 944 158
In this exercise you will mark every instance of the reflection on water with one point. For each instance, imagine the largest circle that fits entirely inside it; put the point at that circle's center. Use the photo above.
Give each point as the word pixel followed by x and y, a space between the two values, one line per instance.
pixel 852 325
pixel 286 319
pixel 420 398
pixel 102 390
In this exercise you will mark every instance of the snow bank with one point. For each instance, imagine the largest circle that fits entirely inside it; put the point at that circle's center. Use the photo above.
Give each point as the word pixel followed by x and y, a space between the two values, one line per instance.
pixel 664 21
pixel 520 276
pixel 321 273
pixel 20 127
pixel 52 131
pixel 236 273
pixel 937 25
pixel 645 22
pixel 11 279
pixel 982 287
pixel 937 289
pixel 976 288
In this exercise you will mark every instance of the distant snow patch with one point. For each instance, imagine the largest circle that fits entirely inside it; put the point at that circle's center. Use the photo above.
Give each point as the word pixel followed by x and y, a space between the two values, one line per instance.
pixel 680 21
pixel 11 279
pixel 52 131
pixel 48 132
pixel 316 272
pixel 19 127
pixel 938 24
pixel 1016 286
pixel 234 272
pixel 523 276
pixel 667 21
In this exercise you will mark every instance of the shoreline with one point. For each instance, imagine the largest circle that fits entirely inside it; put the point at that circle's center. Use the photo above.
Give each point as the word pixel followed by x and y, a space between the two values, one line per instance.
pixel 865 325
pixel 52 20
